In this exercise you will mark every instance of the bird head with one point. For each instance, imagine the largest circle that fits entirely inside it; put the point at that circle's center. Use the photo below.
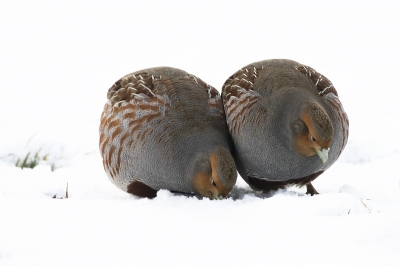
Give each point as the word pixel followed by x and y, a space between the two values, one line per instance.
pixel 313 132
pixel 215 175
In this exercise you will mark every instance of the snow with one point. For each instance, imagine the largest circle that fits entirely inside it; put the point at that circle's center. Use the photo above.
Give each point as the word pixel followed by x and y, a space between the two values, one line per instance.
pixel 59 58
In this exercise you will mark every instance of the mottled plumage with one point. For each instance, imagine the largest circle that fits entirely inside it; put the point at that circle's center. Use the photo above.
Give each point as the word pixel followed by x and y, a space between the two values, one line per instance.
pixel 163 128
pixel 287 123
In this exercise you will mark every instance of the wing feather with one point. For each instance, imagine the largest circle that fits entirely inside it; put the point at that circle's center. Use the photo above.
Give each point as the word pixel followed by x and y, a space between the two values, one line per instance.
pixel 130 113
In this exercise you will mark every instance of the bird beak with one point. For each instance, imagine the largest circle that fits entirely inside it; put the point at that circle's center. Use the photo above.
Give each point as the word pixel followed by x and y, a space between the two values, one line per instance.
pixel 323 154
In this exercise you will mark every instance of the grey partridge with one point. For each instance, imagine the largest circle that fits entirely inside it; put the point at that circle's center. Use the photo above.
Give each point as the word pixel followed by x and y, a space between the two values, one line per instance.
pixel 163 128
pixel 286 121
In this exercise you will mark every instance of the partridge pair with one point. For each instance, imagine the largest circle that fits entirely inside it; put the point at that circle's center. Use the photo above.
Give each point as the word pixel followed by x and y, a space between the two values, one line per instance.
pixel 163 128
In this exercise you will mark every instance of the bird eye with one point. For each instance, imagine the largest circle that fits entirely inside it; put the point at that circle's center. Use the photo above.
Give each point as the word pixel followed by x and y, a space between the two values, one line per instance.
pixel 312 139
pixel 213 183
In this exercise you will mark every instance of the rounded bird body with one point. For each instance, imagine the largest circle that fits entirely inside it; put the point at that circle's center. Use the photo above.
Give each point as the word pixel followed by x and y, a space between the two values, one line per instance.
pixel 286 121
pixel 163 128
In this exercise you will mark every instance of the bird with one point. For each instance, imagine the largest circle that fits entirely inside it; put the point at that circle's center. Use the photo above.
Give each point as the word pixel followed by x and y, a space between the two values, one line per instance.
pixel 287 124
pixel 163 128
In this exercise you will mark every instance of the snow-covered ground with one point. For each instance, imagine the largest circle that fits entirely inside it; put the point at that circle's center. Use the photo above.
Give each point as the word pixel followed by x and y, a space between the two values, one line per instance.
pixel 57 60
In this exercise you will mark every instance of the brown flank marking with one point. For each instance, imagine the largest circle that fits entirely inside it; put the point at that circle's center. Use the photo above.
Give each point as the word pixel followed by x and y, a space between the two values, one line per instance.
pixel 103 146
pixel 123 138
pixel 116 132
pixel 119 158
pixel 130 115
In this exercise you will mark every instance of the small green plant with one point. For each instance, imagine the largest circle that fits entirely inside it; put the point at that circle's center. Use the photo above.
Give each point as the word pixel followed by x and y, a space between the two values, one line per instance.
pixel 32 160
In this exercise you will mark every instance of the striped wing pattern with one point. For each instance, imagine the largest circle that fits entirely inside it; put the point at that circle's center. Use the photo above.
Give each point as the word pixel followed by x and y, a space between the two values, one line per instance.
pixel 127 116
pixel 214 102
pixel 238 96
pixel 322 84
